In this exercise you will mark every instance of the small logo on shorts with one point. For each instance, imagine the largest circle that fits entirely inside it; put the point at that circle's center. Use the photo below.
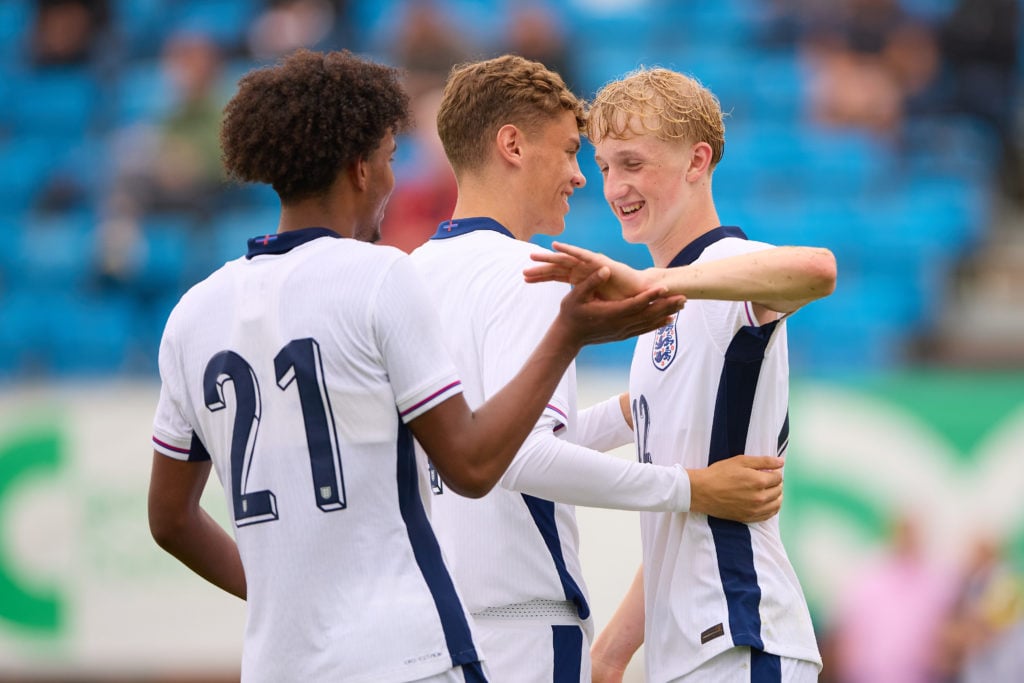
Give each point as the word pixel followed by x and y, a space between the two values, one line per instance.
pixel 710 634
pixel 665 345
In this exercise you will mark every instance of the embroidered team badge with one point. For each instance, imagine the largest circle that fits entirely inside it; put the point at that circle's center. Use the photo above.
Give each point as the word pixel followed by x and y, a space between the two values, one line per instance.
pixel 665 346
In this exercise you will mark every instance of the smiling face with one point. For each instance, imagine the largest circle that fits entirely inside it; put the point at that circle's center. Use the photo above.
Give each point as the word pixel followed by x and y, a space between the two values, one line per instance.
pixel 645 184
pixel 552 172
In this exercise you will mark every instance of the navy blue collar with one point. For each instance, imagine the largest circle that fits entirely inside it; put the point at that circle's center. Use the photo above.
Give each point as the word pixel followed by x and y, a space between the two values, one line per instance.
pixel 692 251
pixel 462 226
pixel 282 242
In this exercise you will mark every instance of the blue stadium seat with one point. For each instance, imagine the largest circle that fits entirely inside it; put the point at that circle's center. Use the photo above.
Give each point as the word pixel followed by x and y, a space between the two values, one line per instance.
pixel 55 101
pixel 57 250
pixel 87 335
pixel 144 93
pixel 226 21
pixel 26 161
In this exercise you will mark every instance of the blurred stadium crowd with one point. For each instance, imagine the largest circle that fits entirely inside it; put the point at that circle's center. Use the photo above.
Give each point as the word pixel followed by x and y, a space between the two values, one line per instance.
pixel 886 130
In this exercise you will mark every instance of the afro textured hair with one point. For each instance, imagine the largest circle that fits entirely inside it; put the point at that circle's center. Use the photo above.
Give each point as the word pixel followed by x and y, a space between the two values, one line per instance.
pixel 297 124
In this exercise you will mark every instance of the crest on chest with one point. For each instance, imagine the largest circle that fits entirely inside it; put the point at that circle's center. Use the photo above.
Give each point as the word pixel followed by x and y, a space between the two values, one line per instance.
pixel 665 346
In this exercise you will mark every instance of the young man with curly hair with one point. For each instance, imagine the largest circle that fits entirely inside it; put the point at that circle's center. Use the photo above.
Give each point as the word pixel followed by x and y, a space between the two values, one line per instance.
pixel 715 600
pixel 511 130
pixel 303 370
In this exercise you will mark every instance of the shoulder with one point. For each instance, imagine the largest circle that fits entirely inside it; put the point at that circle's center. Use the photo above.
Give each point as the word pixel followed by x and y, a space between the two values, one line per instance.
pixel 732 246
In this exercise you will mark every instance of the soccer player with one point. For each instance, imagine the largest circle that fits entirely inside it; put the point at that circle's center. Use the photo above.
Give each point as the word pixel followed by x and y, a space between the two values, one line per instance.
pixel 303 370
pixel 715 600
pixel 511 130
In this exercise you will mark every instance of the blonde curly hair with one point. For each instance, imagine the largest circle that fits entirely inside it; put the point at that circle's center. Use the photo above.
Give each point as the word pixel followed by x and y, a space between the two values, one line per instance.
pixel 666 103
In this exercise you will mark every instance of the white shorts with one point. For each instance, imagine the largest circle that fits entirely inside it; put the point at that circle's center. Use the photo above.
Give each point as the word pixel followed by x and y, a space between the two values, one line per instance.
pixel 743 665
pixel 527 651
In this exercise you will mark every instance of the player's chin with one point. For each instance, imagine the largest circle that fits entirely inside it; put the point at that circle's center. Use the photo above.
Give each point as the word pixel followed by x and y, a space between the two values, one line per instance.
pixel 553 227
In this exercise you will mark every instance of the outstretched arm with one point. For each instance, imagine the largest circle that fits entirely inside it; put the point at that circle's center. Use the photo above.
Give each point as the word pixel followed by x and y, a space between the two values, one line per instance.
pixel 472 449
pixel 780 279
pixel 615 646
pixel 743 488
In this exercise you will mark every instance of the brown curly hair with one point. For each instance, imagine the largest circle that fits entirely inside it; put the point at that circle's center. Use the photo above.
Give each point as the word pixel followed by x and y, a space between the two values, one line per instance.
pixel 297 124
pixel 481 97
pixel 659 101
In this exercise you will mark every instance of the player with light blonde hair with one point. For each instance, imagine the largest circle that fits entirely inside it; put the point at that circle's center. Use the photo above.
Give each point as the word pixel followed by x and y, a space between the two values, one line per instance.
pixel 511 130
pixel 715 600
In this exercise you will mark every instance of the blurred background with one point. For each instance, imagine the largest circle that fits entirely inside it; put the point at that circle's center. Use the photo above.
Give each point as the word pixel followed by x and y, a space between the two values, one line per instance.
pixel 890 131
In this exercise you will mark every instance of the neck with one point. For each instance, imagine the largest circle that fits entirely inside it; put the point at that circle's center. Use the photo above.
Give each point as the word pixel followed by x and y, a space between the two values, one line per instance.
pixel 691 225
pixel 480 197
pixel 318 212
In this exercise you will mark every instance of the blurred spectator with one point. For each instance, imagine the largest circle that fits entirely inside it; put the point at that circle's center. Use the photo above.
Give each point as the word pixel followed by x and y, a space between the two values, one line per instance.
pixel 425 189
pixel 68 32
pixel 172 165
pixel 887 625
pixel 870 59
pixel 427 46
pixel 534 32
pixel 980 47
pixel 989 603
pixel 286 25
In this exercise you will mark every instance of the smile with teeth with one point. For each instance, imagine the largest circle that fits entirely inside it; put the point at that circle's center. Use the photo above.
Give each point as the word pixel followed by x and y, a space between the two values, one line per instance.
pixel 629 209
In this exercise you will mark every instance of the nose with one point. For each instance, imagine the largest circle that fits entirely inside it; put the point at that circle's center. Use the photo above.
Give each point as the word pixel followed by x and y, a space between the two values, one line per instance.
pixel 613 188
pixel 578 179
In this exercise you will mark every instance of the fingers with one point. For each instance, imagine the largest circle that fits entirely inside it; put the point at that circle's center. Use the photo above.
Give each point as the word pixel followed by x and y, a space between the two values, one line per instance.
pixel 588 286
pixel 762 462
pixel 547 273
pixel 574 251
pixel 641 316
pixel 554 257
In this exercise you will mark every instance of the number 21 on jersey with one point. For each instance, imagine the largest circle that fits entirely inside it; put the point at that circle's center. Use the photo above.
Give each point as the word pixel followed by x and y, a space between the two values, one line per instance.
pixel 298 363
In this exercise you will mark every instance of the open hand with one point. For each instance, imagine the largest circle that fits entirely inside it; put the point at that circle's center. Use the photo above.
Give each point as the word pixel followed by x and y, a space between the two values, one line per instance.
pixel 573 264
pixel 593 320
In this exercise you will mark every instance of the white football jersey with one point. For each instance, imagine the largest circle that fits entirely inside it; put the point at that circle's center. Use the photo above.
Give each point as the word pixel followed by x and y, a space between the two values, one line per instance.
pixel 710 385
pixel 294 370
pixel 475 269
pixel 516 544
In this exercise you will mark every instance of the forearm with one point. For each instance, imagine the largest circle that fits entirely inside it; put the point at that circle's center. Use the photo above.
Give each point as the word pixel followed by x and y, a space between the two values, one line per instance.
pixel 616 644
pixel 554 469
pixel 603 426
pixel 782 278
pixel 489 437
pixel 203 546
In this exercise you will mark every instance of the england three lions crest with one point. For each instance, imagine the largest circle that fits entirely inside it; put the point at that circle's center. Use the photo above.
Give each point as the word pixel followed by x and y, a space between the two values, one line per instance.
pixel 666 343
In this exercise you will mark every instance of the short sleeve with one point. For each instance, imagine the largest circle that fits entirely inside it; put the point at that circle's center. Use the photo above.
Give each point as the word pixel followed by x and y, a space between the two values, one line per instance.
pixel 173 434
pixel 419 367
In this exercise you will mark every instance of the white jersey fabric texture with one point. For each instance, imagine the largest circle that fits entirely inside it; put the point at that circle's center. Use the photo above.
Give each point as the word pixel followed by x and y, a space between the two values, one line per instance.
pixel 710 385
pixel 507 547
pixel 294 369
pixel 515 552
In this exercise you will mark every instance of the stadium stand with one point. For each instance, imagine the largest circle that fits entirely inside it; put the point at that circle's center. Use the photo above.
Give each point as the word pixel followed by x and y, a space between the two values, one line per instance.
pixel 901 211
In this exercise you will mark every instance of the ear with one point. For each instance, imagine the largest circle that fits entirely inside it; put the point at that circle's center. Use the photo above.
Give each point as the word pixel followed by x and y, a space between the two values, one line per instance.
pixel 700 161
pixel 359 172
pixel 510 144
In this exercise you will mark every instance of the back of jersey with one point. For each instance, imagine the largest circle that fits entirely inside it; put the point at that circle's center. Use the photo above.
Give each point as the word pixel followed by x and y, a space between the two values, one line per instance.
pixel 295 371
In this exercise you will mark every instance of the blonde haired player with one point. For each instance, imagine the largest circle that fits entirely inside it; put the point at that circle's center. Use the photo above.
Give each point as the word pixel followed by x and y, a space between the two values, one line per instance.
pixel 301 372
pixel 511 130
pixel 715 600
